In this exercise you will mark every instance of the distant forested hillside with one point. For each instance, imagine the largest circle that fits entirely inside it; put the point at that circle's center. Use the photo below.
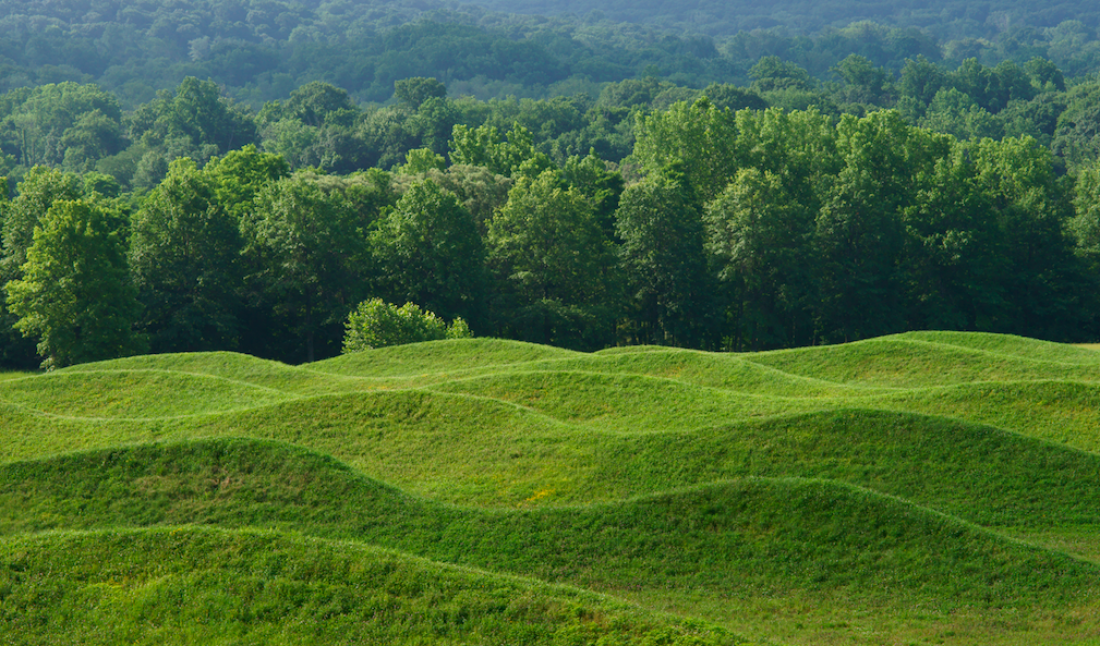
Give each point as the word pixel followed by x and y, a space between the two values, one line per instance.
pixel 229 166
pixel 263 50
pixel 946 18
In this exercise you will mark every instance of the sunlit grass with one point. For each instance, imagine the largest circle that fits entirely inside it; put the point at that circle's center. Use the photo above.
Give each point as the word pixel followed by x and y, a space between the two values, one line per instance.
pixel 187 585
pixel 920 488
pixel 741 541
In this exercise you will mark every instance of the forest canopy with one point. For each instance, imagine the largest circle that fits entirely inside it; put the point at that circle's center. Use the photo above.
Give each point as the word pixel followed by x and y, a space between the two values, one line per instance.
pixel 247 175
pixel 263 50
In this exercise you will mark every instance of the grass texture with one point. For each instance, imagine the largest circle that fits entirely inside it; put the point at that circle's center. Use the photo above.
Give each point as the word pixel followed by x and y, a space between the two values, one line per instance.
pixel 924 488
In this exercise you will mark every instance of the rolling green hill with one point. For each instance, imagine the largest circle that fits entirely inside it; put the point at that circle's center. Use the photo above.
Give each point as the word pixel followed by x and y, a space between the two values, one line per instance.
pixel 920 488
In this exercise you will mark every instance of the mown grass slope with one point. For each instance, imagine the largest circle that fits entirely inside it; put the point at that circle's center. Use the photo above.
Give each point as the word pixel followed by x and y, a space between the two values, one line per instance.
pixel 188 585
pixel 920 488
pixel 748 534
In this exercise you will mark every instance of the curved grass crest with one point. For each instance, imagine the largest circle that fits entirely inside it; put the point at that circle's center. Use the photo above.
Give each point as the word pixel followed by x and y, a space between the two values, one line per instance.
pixel 922 487
pixel 788 532
pixel 216 586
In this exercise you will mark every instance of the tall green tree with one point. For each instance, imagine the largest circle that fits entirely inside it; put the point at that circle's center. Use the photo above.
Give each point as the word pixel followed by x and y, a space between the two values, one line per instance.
pixel 196 111
pixel 954 112
pixel 759 236
pixel 699 136
pixel 1033 209
pixel 239 176
pixel 434 123
pixel 724 95
pixel 953 259
pixel 306 253
pixel 760 228
pixel 772 73
pixel 427 250
pixel 317 102
pixel 484 146
pixel 184 252
pixel 865 82
pixel 1086 220
pixel 798 147
pixel 195 121
pixel 661 228
pixel 38 191
pixel 859 234
pixel 414 92
pixel 76 296
pixel 55 123
pixel 920 80
pixel 604 187
pixel 1077 135
pixel 387 134
pixel 479 191
pixel 553 265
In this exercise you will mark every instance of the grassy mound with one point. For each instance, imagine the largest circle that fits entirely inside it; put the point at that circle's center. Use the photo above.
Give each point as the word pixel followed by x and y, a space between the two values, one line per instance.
pixel 727 372
pixel 622 403
pixel 133 393
pixel 226 365
pixel 188 585
pixel 472 450
pixel 740 539
pixel 919 488
pixel 1065 412
pixel 449 356
pixel 1011 345
pixel 907 362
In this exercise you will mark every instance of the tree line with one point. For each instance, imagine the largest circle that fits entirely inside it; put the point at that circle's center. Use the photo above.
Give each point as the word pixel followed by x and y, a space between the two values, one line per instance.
pixel 82 127
pixel 720 229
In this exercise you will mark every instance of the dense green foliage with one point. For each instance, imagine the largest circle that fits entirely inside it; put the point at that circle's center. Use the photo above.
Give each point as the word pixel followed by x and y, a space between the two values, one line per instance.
pixel 375 324
pixel 618 208
pixel 978 18
pixel 75 294
pixel 265 50
pixel 184 254
pixel 711 221
pixel 890 490
pixel 267 177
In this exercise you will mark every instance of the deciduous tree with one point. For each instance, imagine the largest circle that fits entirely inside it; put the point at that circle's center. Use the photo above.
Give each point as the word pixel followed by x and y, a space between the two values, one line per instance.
pixel 76 296
pixel 759 236
pixel 553 265
pixel 661 228
pixel 859 235
pixel 699 136
pixel 428 250
pixel 184 255
pixel 306 251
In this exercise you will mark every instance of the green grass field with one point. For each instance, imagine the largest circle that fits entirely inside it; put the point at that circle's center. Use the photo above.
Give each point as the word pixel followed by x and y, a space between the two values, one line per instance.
pixel 924 488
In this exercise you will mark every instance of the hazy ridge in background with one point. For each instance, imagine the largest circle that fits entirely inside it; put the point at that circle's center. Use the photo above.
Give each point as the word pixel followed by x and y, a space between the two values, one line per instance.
pixel 261 51
pixel 946 19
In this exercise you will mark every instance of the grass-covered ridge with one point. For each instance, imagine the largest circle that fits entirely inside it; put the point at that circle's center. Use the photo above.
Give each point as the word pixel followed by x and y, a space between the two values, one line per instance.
pixel 187 585
pixel 786 532
pixel 926 487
